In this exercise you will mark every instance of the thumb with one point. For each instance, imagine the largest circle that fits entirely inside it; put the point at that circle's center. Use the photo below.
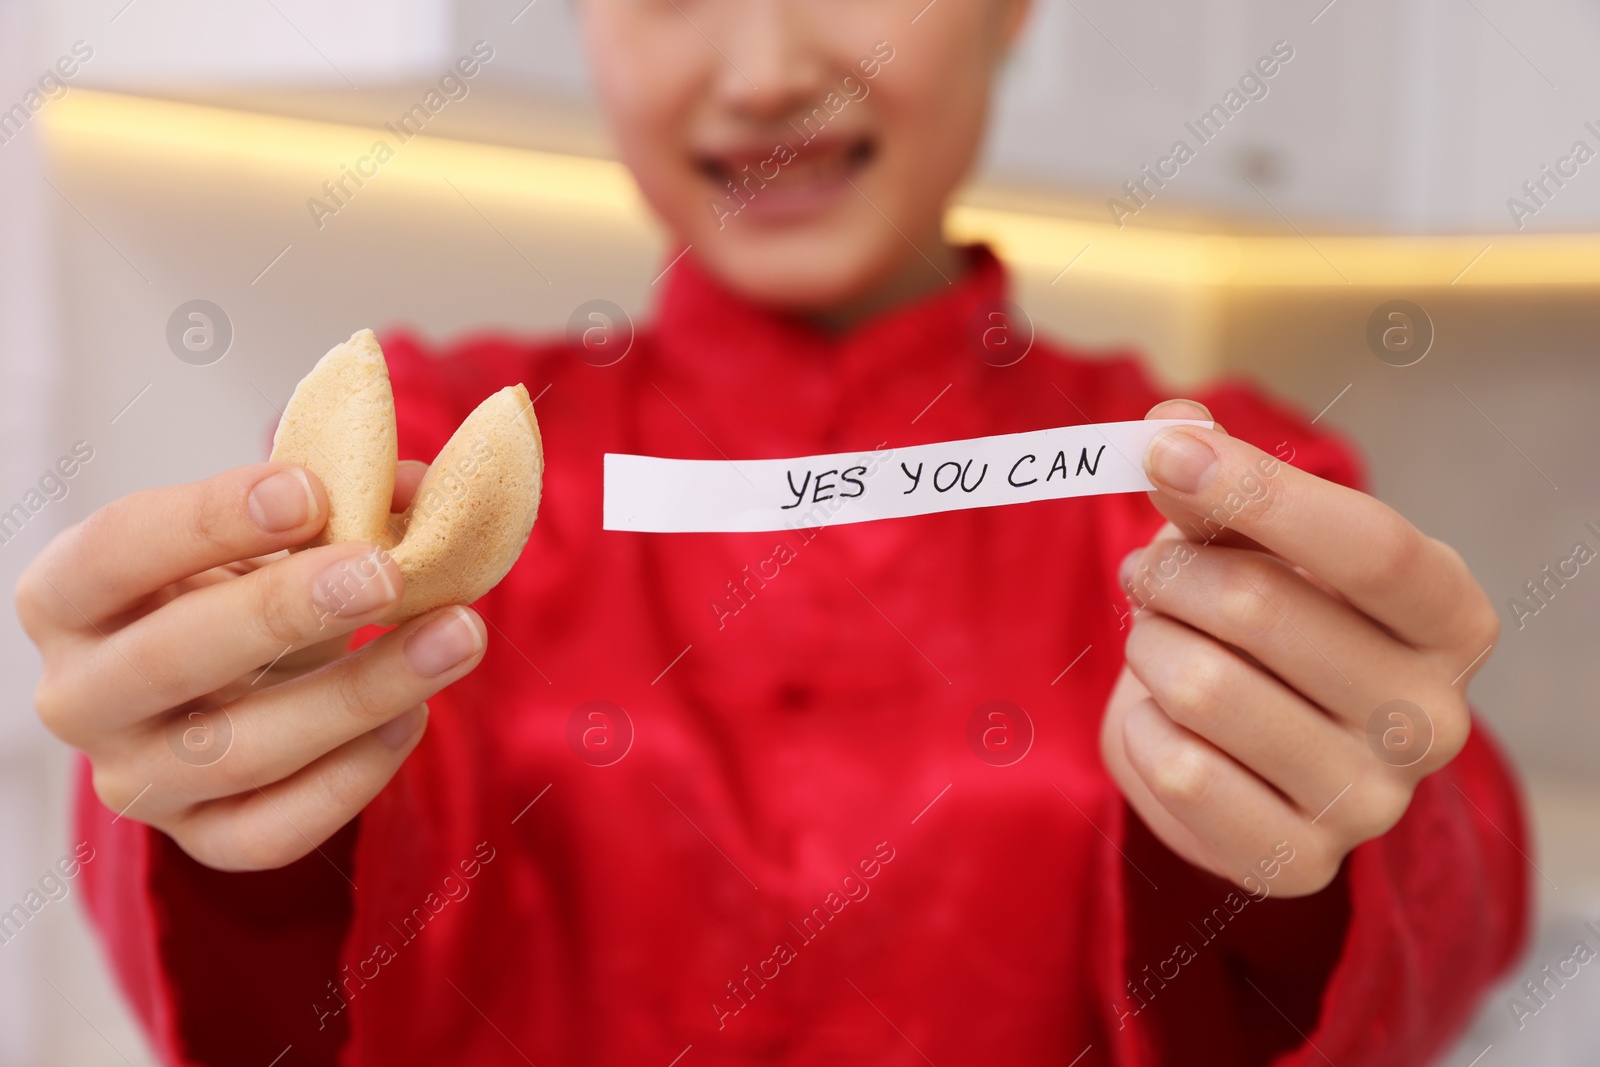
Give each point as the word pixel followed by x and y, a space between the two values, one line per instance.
pixel 1180 519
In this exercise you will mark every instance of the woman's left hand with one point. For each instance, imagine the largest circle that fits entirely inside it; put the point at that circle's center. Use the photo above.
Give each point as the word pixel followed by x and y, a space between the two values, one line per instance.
pixel 1298 662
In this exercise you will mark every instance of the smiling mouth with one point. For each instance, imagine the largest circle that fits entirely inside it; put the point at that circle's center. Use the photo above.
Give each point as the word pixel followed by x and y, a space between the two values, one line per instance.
pixel 811 166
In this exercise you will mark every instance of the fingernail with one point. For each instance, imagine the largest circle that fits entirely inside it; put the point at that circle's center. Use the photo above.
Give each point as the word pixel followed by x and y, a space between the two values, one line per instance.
pixel 283 501
pixel 443 643
pixel 1180 461
pixel 400 729
pixel 1200 411
pixel 354 587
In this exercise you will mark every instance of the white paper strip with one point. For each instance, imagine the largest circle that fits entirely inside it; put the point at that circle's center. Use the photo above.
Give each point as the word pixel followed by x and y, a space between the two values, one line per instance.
pixel 653 495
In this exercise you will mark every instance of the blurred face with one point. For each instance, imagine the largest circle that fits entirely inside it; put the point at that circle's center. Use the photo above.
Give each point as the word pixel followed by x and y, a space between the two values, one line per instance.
pixel 802 147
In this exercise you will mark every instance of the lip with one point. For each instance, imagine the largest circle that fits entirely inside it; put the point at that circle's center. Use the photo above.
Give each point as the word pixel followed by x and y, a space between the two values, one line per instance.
pixel 816 178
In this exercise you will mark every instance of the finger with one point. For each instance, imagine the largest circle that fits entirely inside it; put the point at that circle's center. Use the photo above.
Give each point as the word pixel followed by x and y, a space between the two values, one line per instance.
pixel 277 824
pixel 1262 724
pixel 1163 545
pixel 1360 546
pixel 1323 648
pixel 275 732
pixel 1180 519
pixel 208 638
pixel 1183 409
pixel 407 476
pixel 1225 819
pixel 140 543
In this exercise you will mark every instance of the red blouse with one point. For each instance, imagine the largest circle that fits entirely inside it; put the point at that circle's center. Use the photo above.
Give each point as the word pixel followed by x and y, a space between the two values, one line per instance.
pixel 773 838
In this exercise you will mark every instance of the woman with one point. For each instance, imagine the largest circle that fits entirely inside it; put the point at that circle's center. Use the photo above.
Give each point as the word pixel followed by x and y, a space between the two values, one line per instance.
pixel 729 798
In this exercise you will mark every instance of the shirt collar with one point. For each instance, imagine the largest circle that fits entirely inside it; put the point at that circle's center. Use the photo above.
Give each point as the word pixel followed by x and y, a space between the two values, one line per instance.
pixel 766 378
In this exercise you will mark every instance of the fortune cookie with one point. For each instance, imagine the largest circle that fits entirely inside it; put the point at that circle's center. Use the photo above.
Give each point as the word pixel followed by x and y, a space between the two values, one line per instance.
pixel 471 515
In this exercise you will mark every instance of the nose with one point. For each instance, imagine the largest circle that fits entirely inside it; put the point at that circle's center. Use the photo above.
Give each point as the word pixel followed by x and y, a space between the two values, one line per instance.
pixel 772 60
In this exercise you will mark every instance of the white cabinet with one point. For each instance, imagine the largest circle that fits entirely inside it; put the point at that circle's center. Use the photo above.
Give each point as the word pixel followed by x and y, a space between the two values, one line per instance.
pixel 179 44
pixel 1419 115
pixel 1415 115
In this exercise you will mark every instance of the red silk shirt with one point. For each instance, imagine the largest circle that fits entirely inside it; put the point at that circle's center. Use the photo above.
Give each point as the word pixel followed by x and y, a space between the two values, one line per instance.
pixel 738 798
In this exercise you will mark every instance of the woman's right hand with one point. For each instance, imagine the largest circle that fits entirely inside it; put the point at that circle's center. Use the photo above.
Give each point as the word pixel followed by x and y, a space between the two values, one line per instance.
pixel 203 669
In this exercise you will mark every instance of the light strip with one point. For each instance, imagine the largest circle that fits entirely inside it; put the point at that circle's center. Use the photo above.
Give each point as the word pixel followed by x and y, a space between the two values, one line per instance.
pixel 1047 243
pixel 175 133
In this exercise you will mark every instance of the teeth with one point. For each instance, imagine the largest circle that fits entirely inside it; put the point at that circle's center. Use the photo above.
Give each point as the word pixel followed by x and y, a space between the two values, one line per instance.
pixel 808 165
pixel 815 168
